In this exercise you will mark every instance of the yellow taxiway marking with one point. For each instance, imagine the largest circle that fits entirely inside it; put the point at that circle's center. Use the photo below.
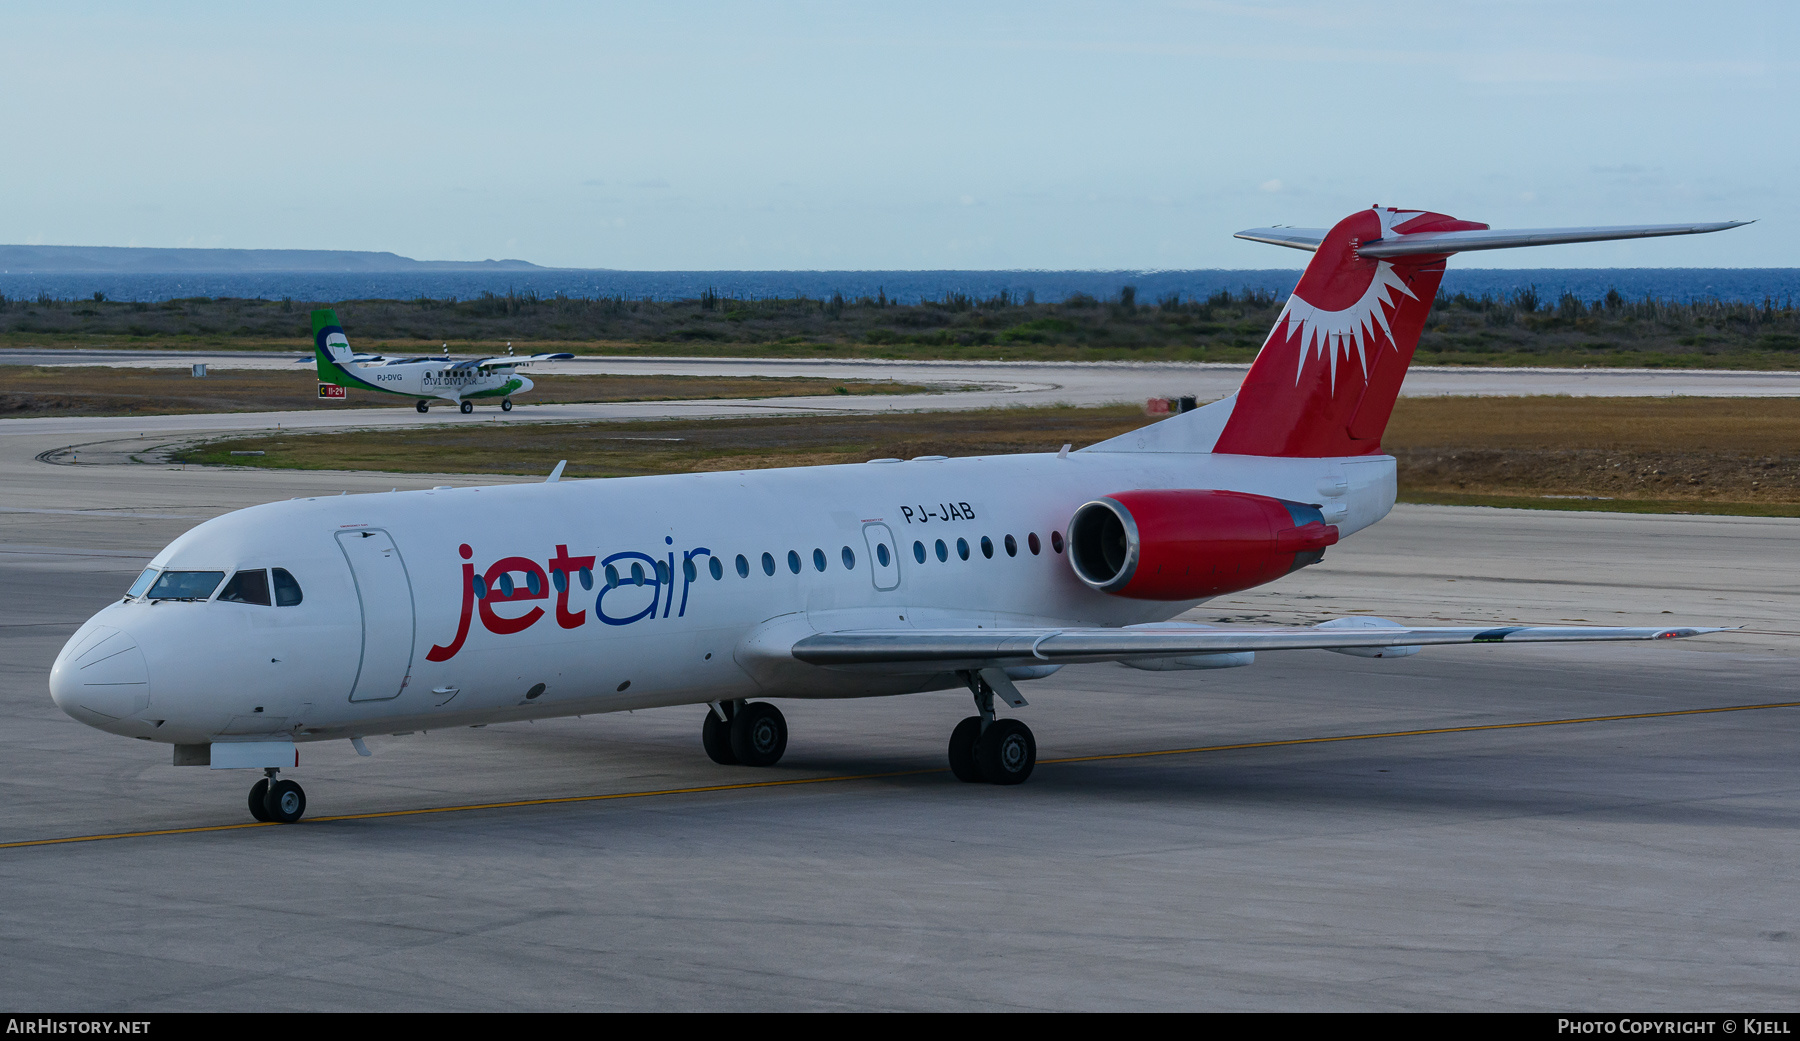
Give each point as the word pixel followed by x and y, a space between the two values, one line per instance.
pixel 787 782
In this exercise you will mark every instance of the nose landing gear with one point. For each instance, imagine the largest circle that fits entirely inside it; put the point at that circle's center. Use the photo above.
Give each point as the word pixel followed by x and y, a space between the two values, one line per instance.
pixel 422 405
pixel 275 801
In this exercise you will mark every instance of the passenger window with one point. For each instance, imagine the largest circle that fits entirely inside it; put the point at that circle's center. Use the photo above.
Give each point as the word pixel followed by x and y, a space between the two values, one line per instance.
pixel 142 583
pixel 717 569
pixel 287 591
pixel 919 552
pixel 881 554
pixel 1031 540
pixel 818 559
pixel 768 564
pixel 688 571
pixel 662 573
pixel 850 559
pixel 185 585
pixel 587 578
pixel 743 566
pixel 793 562
pixel 559 580
pixel 247 587
pixel 1056 541
pixel 987 547
pixel 612 577
pixel 1012 546
pixel 962 548
pixel 943 551
pixel 481 586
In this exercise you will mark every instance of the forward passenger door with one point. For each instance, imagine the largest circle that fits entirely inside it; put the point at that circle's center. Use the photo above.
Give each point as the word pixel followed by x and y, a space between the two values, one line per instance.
pixel 384 593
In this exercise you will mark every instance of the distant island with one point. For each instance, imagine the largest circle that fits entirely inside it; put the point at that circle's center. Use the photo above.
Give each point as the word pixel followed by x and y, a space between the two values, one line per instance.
pixel 20 260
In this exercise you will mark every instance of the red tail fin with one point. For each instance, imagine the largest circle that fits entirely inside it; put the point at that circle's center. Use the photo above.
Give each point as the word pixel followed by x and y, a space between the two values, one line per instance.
pixel 1325 380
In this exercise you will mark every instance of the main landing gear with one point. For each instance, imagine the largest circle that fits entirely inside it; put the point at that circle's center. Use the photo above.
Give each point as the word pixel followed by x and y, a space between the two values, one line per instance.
pixel 275 801
pixel 983 748
pixel 466 407
pixel 506 404
pixel 750 733
pixel 422 405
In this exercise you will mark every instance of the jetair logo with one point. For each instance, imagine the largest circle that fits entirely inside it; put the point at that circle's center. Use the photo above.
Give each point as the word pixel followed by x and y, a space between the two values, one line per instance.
pixel 510 583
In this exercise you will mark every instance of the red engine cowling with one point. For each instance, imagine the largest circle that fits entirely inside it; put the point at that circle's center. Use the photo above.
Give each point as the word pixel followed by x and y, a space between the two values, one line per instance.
pixel 1187 545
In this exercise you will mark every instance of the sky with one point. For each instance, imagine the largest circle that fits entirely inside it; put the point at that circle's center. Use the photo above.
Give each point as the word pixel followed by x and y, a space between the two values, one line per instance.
pixel 703 136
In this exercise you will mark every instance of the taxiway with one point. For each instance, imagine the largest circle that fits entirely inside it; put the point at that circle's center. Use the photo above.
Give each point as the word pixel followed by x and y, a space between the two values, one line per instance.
pixel 1644 862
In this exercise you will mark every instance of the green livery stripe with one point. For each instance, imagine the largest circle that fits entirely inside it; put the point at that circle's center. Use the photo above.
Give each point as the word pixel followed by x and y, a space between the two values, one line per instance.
pixel 501 391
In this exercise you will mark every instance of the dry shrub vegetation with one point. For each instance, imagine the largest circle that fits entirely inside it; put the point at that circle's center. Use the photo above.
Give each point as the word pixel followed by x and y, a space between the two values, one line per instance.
pixel 1722 455
pixel 1519 329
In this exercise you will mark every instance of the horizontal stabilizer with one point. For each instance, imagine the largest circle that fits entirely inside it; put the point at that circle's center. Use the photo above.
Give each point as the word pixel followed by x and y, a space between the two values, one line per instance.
pixel 1307 239
pixel 1466 241
pixel 943 649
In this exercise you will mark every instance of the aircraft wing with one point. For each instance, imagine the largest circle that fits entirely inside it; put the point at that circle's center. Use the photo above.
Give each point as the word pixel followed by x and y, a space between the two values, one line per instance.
pixel 918 650
pixel 508 361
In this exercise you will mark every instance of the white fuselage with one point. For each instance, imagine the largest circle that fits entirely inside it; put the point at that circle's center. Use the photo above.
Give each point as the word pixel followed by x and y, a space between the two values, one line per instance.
pixel 374 645
pixel 432 378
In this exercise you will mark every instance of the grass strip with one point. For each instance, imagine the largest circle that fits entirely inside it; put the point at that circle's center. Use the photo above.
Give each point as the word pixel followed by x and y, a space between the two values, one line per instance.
pixel 1730 456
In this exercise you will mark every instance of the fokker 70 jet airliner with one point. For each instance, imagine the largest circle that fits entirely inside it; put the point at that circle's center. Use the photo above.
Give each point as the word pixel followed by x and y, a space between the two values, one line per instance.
pixel 322 619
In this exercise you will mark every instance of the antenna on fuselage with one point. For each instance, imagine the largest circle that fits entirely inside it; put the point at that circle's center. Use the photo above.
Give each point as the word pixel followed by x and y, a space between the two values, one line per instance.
pixel 556 474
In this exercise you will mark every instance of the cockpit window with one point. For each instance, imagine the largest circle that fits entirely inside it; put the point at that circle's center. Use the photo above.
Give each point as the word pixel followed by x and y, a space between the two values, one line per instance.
pixel 142 583
pixel 287 591
pixel 247 587
pixel 185 585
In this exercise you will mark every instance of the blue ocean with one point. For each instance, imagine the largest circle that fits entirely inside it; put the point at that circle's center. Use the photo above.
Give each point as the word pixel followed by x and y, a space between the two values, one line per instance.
pixel 1753 285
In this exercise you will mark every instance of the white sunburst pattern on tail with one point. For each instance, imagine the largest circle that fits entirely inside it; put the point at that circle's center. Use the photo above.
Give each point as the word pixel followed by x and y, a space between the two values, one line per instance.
pixel 1327 332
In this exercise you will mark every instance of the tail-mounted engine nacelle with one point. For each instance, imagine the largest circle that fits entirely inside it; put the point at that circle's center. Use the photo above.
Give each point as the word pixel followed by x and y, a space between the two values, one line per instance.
pixel 1187 545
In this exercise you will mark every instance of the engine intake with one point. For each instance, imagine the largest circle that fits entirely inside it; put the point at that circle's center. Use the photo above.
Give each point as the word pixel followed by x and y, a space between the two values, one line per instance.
pixel 1191 544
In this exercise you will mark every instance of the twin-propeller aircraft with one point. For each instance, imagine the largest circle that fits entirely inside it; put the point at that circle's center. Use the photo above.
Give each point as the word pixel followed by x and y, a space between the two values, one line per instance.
pixel 461 383
pixel 335 618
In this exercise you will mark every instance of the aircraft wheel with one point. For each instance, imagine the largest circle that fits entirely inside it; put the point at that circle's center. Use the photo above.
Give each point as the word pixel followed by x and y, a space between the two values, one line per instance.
pixel 758 734
pixel 506 404
pixel 421 406
pixel 286 802
pixel 1007 752
pixel 715 736
pixel 467 407
pixel 962 750
pixel 259 800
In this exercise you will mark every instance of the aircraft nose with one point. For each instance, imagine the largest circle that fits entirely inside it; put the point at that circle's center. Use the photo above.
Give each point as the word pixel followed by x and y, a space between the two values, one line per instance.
pixel 100 676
